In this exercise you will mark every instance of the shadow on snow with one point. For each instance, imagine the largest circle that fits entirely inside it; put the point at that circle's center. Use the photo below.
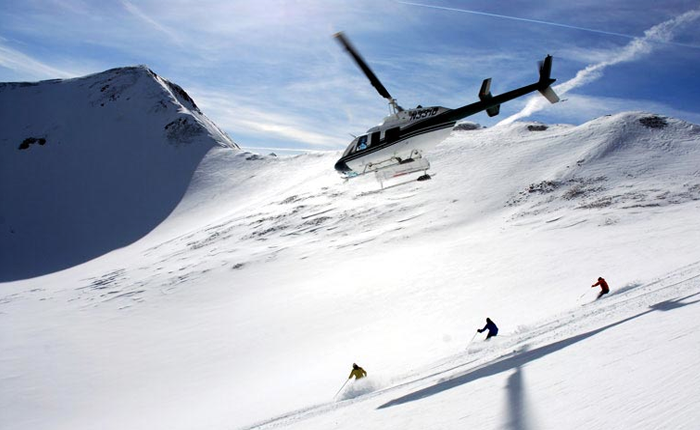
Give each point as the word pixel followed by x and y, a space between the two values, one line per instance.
pixel 516 412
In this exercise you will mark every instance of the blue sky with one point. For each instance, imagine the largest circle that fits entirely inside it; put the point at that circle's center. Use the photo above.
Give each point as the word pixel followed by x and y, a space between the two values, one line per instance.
pixel 271 75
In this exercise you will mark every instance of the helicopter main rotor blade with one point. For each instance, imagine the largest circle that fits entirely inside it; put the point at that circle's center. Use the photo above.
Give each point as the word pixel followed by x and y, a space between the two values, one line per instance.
pixel 361 62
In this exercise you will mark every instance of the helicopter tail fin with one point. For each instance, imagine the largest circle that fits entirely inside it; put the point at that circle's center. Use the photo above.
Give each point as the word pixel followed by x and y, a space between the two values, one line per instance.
pixel 550 95
pixel 485 94
pixel 546 80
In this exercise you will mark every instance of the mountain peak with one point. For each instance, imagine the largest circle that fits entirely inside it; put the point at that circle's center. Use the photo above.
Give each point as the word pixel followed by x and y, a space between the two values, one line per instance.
pixel 119 145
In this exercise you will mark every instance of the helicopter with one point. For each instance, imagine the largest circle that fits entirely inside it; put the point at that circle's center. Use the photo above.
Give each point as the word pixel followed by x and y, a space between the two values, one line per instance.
pixel 396 147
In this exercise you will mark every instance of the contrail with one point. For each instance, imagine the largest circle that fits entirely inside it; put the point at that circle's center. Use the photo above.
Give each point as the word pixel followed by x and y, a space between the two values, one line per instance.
pixel 537 21
pixel 638 47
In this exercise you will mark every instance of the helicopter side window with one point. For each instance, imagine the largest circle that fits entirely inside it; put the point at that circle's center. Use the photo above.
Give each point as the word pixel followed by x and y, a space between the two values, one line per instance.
pixel 361 143
pixel 374 138
pixel 392 134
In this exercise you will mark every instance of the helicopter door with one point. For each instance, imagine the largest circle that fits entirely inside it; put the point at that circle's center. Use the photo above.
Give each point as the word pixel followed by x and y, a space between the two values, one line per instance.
pixel 374 138
pixel 392 134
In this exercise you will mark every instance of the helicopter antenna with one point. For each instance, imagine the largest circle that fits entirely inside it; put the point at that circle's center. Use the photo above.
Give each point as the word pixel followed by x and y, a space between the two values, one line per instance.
pixel 376 83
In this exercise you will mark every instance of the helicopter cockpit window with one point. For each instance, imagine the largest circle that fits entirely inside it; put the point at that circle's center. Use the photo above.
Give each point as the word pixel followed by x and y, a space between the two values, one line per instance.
pixel 361 144
pixel 350 148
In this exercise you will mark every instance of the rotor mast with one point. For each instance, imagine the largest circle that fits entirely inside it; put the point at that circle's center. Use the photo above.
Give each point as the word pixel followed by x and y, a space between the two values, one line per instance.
pixel 394 107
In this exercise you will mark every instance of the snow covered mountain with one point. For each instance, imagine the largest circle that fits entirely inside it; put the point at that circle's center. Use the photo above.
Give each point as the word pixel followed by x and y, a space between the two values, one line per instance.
pixel 247 306
pixel 91 164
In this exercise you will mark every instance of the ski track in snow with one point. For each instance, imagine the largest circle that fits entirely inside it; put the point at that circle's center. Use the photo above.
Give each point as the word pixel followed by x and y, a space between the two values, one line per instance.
pixel 677 289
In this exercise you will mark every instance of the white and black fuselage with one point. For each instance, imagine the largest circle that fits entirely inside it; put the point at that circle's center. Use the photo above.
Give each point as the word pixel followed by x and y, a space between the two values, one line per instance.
pixel 401 137
pixel 398 143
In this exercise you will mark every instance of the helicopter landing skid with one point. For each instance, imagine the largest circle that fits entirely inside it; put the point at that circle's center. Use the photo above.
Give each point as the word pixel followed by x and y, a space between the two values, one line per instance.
pixel 384 188
pixel 405 167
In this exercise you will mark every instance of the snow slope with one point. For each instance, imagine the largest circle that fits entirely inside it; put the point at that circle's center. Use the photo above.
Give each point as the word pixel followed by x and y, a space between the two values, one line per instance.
pixel 247 306
pixel 91 164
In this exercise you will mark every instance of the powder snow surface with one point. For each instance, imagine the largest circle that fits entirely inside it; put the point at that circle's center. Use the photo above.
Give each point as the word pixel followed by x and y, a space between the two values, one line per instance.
pixel 247 307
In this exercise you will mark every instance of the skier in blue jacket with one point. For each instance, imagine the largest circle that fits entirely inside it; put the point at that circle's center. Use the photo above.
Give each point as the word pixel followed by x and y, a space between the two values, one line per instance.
pixel 491 327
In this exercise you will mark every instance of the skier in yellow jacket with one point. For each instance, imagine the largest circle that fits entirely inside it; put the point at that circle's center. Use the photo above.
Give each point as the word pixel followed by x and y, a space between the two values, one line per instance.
pixel 357 372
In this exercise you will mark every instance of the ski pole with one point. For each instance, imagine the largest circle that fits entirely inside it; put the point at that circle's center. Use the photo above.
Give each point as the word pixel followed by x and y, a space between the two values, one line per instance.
pixel 582 296
pixel 470 342
pixel 341 388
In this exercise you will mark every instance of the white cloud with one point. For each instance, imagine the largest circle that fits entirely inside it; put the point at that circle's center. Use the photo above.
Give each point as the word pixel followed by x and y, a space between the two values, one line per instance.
pixel 23 64
pixel 240 115
pixel 636 49
pixel 138 13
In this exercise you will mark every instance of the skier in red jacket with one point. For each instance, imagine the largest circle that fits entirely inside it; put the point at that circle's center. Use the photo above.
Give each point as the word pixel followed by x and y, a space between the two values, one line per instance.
pixel 604 289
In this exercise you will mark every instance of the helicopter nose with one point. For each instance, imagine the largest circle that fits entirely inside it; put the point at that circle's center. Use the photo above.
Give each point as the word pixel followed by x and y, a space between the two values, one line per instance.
pixel 342 167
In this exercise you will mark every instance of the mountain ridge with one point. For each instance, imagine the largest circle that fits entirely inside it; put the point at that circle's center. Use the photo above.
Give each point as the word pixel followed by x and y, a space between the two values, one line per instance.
pixel 108 152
